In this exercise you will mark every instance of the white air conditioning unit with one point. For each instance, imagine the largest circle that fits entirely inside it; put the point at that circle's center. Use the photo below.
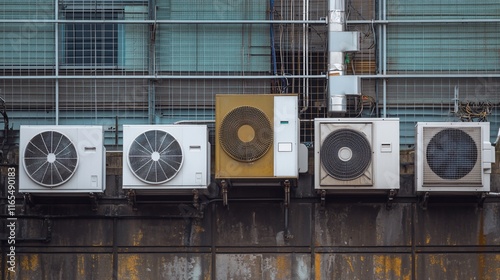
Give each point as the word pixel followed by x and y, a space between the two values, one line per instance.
pixel 159 158
pixel 62 159
pixel 453 157
pixel 356 154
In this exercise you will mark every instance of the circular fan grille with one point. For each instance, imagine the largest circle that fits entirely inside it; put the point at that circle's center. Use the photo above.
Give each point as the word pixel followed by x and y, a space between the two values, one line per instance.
pixel 50 159
pixel 451 154
pixel 246 134
pixel 345 154
pixel 155 157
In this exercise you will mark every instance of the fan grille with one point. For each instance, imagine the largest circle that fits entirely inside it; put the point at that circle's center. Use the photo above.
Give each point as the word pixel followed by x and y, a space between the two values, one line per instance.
pixel 50 159
pixel 246 134
pixel 155 157
pixel 451 154
pixel 345 154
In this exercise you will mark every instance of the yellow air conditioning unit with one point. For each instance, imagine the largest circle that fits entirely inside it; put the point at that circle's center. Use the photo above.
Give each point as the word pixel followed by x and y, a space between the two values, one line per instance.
pixel 256 136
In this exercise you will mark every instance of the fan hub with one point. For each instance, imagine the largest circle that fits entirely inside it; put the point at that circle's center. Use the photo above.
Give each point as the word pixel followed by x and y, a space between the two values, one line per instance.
pixel 155 156
pixel 345 154
pixel 51 157
pixel 246 133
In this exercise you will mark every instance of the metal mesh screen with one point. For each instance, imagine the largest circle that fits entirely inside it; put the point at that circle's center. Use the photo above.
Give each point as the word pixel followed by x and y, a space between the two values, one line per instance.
pixel 112 62
pixel 452 155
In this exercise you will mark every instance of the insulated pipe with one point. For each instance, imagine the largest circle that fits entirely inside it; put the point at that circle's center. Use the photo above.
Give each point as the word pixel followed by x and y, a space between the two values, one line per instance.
pixel 336 22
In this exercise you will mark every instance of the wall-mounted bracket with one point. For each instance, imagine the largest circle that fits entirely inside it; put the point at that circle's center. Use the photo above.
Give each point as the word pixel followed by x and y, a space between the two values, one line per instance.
pixel 323 198
pixel 93 201
pixel 132 199
pixel 390 198
pixel 224 192
pixel 425 200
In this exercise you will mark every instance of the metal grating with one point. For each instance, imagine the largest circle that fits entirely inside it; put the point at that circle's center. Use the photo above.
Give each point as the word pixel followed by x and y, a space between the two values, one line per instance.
pixel 452 155
pixel 111 62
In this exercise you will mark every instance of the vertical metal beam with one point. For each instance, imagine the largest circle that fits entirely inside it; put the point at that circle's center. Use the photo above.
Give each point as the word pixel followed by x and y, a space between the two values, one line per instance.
pixel 56 57
pixel 152 64
pixel 305 64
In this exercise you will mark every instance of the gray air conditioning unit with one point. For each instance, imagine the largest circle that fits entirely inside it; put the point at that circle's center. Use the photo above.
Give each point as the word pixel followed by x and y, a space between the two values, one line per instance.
pixel 356 154
pixel 453 157
pixel 61 159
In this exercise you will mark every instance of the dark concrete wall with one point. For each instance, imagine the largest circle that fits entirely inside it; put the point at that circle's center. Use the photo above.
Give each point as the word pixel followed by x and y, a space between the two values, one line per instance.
pixel 167 238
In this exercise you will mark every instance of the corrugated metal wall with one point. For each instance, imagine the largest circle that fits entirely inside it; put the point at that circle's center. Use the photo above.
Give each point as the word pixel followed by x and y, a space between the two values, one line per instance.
pixel 346 238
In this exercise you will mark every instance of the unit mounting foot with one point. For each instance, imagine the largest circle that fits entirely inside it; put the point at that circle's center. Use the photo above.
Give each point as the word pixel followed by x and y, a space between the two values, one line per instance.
pixel 132 199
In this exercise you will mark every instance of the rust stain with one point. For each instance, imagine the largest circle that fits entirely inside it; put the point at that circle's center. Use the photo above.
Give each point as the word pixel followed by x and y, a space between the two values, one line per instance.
pixel 282 265
pixel 128 267
pixel 317 266
pixel 137 238
pixel 428 239
pixel 481 264
pixel 349 262
pixel 386 265
pixel 435 260
pixel 199 229
pixel 80 265
pixel 30 262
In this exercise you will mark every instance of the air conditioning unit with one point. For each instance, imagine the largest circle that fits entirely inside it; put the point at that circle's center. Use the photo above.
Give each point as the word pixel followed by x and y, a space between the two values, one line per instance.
pixel 256 136
pixel 453 157
pixel 162 158
pixel 61 159
pixel 356 154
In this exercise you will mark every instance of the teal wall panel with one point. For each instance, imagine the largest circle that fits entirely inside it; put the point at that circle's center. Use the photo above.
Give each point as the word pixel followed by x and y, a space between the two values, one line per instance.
pixel 213 47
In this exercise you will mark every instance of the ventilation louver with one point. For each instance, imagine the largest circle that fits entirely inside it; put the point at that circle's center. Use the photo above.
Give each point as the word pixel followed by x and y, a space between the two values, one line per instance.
pixel 346 154
pixel 453 157
pixel 164 158
pixel 246 134
pixel 356 154
pixel 62 159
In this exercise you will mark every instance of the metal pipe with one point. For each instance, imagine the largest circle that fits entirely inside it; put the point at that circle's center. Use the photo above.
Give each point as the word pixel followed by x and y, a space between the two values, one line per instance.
pixel 192 77
pixel 384 59
pixel 194 121
pixel 423 21
pixel 168 21
pixel 305 64
pixel 56 54
pixel 249 77
pixel 493 194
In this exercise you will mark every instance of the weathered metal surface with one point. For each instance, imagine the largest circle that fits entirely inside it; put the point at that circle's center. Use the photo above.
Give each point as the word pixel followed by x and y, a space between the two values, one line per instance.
pixel 262 224
pixel 363 266
pixel 263 266
pixel 345 239
pixel 458 266
pixel 362 225
pixel 164 266
pixel 162 232
pixel 458 225
pixel 62 266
